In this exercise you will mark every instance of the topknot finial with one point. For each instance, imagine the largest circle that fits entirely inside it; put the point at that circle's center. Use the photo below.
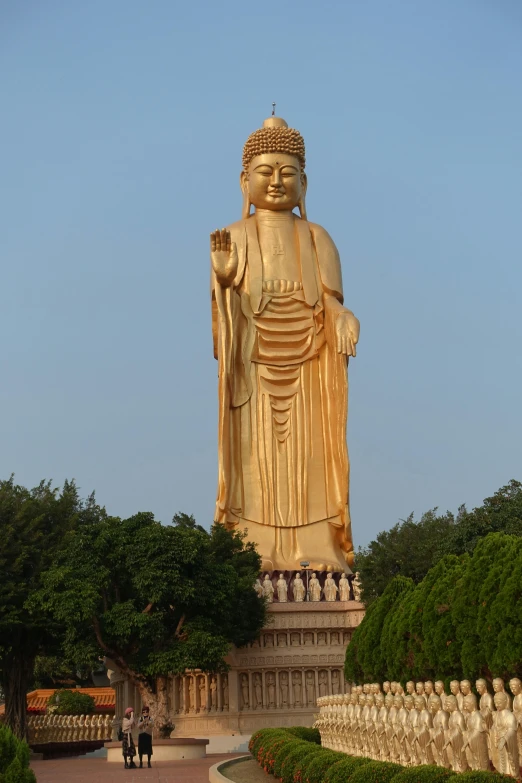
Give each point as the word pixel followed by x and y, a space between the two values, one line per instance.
pixel 273 109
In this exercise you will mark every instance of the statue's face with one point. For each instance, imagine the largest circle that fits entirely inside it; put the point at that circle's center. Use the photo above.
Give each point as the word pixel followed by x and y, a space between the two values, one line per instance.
pixel 428 687
pixel 465 687
pixel 420 688
pixel 386 687
pixel 274 181
pixel 500 699
pixel 439 687
pixel 454 687
pixel 410 687
pixel 434 705
pixel 515 686
pixel 480 685
pixel 498 685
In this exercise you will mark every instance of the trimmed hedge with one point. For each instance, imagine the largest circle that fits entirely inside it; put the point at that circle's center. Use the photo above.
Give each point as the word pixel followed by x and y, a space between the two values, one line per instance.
pixel 376 772
pixel 318 766
pixel 304 733
pixel 294 756
pixel 72 703
pixel 428 773
pixel 342 770
pixel 483 776
pixel 14 759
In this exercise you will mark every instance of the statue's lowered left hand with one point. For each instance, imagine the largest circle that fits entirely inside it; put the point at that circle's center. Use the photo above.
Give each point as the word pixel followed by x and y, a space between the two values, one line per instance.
pixel 347 329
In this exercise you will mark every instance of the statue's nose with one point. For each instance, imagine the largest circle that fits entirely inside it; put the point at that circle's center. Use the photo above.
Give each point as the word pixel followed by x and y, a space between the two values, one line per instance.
pixel 275 180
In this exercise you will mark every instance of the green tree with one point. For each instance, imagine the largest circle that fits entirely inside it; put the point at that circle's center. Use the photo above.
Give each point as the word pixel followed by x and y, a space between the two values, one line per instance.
pixel 72 703
pixel 409 549
pixel 34 524
pixel 180 519
pixel 365 658
pixel 500 513
pixel 155 599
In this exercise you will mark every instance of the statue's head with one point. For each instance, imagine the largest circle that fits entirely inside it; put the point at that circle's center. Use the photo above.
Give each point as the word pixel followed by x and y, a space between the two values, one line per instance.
pixel 366 687
pixel 419 703
pixel 379 699
pixel 428 687
pixel 419 688
pixel 469 704
pixel 439 687
pixel 465 687
pixel 410 687
pixel 501 700
pixel 386 686
pixel 388 700
pixel 393 687
pixel 434 704
pixel 353 698
pixel 398 701
pixel 498 685
pixel 451 703
pixel 455 687
pixel 481 686
pixel 408 702
pixel 515 686
pixel 273 168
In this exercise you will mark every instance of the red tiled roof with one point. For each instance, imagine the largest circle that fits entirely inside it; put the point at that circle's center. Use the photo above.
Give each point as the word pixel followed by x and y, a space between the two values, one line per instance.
pixel 104 698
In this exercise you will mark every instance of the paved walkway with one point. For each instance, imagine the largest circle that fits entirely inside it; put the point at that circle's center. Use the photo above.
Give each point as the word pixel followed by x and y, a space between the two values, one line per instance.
pixel 98 770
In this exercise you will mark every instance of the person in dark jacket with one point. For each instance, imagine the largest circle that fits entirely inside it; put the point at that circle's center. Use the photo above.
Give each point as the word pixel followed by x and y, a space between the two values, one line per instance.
pixel 145 726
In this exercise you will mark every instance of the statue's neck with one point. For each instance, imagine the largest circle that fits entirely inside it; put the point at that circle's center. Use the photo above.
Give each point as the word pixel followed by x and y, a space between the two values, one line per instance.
pixel 274 215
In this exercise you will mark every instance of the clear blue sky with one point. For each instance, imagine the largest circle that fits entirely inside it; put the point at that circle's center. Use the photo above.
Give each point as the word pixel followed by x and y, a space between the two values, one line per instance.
pixel 122 128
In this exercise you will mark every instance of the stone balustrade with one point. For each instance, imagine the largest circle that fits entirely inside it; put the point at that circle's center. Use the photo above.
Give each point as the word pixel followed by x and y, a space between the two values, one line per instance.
pixel 422 724
pixel 43 729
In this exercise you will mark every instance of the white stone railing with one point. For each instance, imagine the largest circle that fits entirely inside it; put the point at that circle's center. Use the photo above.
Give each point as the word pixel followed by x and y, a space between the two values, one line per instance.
pixel 69 728
pixel 425 725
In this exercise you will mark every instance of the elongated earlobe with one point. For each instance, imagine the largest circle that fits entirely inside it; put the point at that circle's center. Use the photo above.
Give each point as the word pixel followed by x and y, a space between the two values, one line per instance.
pixel 302 207
pixel 243 181
pixel 246 204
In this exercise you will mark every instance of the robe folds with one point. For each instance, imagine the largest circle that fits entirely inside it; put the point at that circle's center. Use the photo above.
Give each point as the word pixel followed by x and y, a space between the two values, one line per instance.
pixel 283 391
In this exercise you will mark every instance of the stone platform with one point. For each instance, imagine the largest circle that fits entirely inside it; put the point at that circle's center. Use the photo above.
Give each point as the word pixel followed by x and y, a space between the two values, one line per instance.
pixel 275 681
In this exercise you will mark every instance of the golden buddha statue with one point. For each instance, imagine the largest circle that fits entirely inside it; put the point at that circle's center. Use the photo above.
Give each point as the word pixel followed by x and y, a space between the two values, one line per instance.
pixel 282 339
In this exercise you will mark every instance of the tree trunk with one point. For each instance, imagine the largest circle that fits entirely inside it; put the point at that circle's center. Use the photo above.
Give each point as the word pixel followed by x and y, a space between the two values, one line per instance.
pixel 157 701
pixel 17 671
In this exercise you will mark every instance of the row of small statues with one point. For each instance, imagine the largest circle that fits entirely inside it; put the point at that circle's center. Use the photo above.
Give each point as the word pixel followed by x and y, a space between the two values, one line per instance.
pixel 68 728
pixel 330 589
pixel 295 688
pixel 206 703
pixel 422 724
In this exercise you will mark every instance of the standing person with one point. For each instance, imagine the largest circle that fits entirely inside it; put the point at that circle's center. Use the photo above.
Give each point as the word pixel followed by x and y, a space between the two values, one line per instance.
pixel 127 746
pixel 145 726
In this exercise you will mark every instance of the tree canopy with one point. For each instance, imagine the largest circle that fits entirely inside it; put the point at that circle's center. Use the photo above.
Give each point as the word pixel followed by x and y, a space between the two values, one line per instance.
pixel 155 599
pixel 412 547
pixel 464 619
pixel 34 524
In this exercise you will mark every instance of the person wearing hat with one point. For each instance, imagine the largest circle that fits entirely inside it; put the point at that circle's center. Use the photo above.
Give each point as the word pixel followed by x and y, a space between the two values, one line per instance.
pixel 145 726
pixel 127 746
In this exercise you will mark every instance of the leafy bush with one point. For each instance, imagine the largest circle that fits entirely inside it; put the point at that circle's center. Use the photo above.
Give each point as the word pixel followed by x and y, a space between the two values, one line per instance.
pixel 72 703
pixel 261 736
pixel 482 776
pixel 14 759
pixel 267 753
pixel 319 764
pixel 376 772
pixel 304 733
pixel 425 774
pixel 289 755
pixel 305 760
pixel 341 771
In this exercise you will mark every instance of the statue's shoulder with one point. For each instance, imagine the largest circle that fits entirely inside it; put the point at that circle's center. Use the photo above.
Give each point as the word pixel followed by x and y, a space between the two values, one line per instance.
pixel 328 259
pixel 238 229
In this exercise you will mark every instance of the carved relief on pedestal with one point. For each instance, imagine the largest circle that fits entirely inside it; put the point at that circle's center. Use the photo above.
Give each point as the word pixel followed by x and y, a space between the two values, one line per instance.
pixel 308 638
pixel 323 682
pixel 258 691
pixel 321 638
pixel 245 701
pixel 270 687
pixel 310 688
pixel 268 640
pixel 297 684
pixel 283 687
pixel 335 681
pixel 224 686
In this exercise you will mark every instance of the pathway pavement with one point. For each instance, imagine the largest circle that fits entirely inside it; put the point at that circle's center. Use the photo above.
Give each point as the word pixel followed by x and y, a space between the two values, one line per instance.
pixel 98 770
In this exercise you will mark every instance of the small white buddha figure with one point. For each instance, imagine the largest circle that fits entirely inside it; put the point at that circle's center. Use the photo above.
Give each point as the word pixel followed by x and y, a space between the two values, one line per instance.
pixel 330 589
pixel 344 588
pixel 282 589
pixel 298 588
pixel 268 589
pixel 314 588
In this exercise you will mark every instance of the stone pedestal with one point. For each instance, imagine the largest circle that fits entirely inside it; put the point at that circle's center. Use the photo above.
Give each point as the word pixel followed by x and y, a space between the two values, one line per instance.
pixel 275 681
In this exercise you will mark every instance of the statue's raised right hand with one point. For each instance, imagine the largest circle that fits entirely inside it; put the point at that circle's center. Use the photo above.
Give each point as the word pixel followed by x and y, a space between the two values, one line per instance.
pixel 223 253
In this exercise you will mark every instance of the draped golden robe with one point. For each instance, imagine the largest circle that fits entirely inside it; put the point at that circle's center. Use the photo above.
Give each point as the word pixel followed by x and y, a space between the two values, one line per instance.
pixel 283 391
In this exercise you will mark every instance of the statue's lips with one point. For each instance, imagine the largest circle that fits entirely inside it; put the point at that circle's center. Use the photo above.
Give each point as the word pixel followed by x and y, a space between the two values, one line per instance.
pixel 276 195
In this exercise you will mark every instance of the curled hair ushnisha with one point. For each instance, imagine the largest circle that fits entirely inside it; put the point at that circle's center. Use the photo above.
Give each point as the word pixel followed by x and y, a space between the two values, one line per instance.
pixel 275 139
